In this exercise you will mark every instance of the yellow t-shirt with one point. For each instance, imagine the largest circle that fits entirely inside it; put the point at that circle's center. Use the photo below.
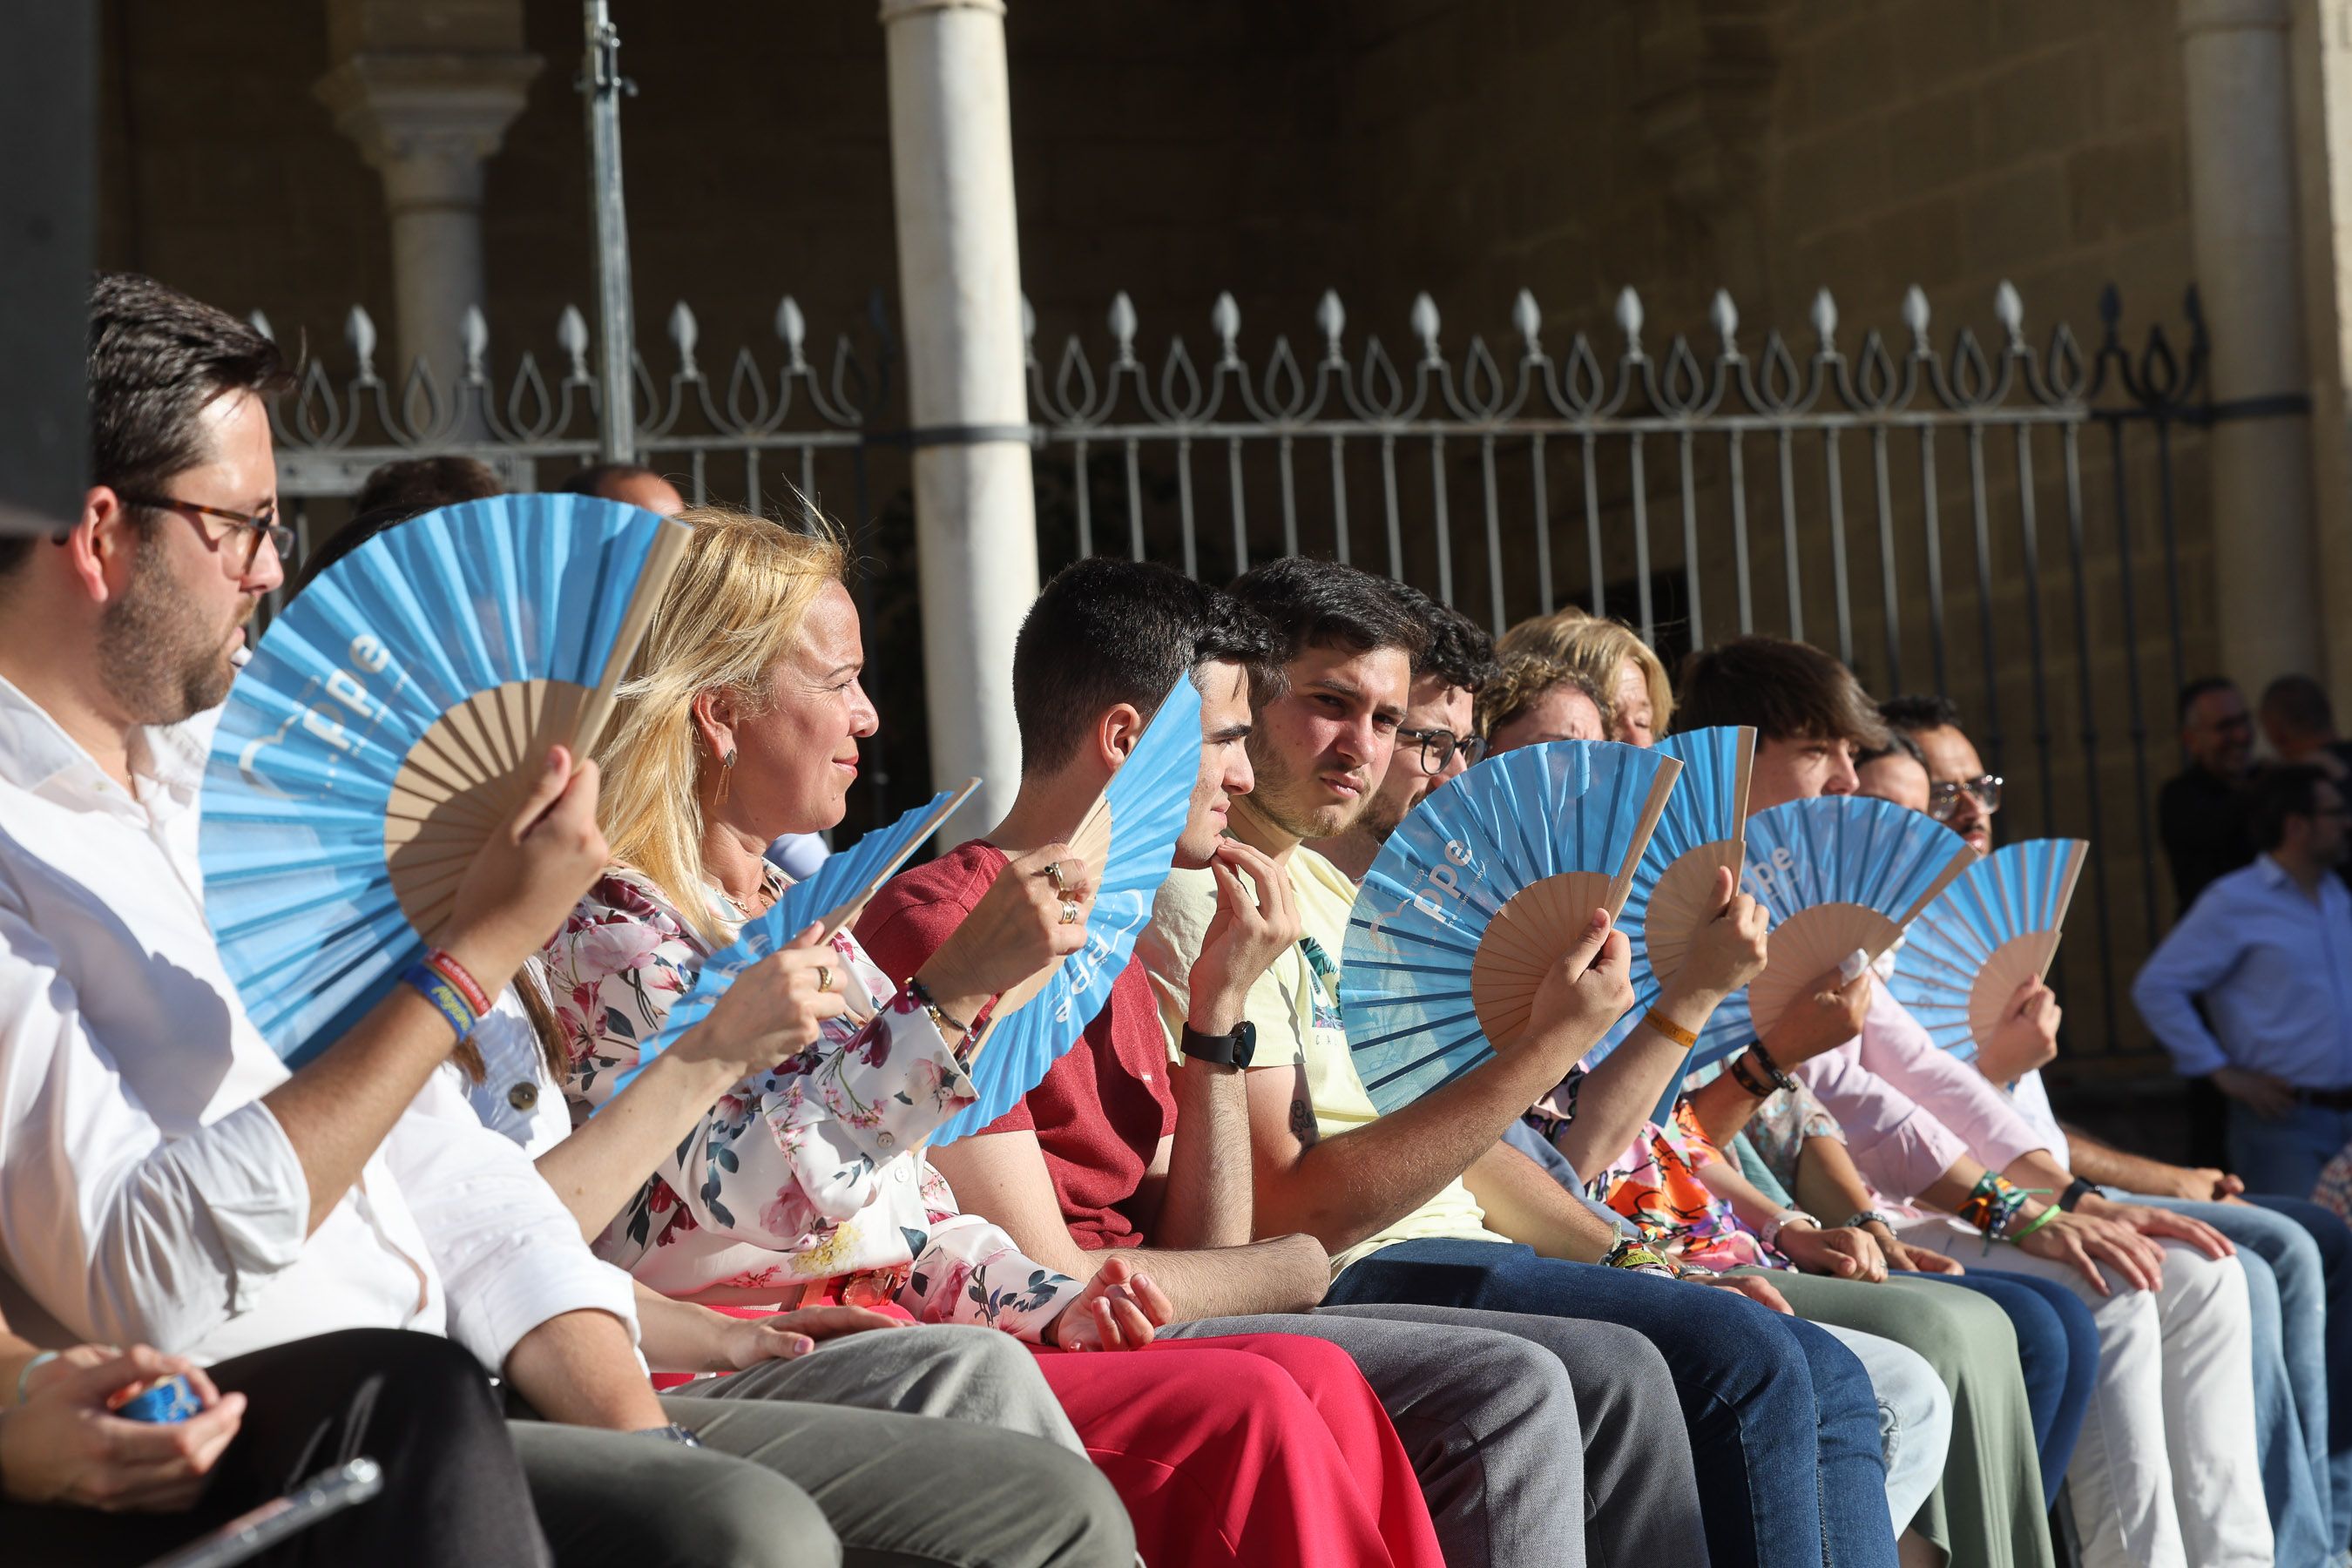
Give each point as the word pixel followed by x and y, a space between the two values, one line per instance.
pixel 1299 1023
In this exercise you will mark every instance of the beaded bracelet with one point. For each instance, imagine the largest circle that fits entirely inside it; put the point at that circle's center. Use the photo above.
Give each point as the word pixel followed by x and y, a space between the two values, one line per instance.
pixel 1744 1076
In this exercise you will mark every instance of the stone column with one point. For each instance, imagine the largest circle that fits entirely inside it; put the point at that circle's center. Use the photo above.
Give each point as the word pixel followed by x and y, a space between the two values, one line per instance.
pixel 2242 199
pixel 960 284
pixel 427 121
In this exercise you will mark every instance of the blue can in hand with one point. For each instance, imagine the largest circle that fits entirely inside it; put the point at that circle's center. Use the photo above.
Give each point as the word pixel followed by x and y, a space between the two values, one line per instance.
pixel 169 1401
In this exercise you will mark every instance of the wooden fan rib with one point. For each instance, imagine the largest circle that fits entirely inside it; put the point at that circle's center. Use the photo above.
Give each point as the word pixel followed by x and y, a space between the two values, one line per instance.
pixel 1662 786
pixel 661 563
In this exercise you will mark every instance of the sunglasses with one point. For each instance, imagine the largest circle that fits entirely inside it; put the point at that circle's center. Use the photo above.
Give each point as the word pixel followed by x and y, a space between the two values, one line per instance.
pixel 1944 799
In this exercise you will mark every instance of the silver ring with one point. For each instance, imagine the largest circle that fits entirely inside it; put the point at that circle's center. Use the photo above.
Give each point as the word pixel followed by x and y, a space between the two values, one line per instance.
pixel 824 977
pixel 1069 912
pixel 1052 874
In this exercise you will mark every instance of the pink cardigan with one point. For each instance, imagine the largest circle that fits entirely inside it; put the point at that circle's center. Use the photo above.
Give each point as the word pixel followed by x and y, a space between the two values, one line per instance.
pixel 1910 1108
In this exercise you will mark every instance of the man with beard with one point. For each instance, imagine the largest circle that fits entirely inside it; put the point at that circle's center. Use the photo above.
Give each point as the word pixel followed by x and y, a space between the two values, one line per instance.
pixel 1425 1204
pixel 329 1241
pixel 1524 1442
pixel 1435 743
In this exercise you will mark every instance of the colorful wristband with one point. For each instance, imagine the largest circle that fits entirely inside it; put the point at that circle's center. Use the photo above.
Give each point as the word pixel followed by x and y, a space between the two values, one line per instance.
pixel 1686 1038
pixel 1638 1255
pixel 442 963
pixel 443 993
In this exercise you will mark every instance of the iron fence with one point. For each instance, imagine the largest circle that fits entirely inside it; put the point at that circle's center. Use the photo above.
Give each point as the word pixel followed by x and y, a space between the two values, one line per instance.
pixel 1997 517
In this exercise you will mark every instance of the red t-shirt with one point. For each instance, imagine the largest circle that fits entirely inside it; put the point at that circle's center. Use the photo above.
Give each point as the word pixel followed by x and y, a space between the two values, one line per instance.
pixel 1102 1109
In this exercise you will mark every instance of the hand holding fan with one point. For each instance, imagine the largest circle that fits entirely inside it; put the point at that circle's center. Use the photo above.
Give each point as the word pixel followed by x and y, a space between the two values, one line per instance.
pixel 1994 930
pixel 829 898
pixel 393 718
pixel 1477 894
pixel 1128 842
pixel 1838 874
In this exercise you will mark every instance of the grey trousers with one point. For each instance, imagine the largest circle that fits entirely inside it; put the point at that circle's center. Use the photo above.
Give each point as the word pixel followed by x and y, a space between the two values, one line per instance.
pixel 841 1457
pixel 1536 1440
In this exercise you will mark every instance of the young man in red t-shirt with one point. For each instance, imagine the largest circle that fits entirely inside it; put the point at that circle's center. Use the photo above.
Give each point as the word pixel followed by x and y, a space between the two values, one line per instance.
pixel 1525 1442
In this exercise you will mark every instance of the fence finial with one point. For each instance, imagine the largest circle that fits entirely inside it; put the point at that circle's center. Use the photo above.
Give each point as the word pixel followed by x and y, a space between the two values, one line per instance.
pixel 1915 316
pixel 685 333
pixel 474 336
pixel 1225 317
pixel 1424 324
pixel 1527 320
pixel 1628 320
pixel 571 337
pixel 1122 326
pixel 1825 320
pixel 1724 316
pixel 2009 312
pixel 1330 319
pixel 359 330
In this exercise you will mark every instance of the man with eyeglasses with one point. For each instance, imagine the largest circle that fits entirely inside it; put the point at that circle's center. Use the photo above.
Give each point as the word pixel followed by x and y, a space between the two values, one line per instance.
pixel 2298 1256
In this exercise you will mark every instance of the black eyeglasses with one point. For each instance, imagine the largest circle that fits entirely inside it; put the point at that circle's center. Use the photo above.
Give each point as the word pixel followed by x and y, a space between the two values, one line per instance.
pixel 1437 748
pixel 256 526
pixel 1943 799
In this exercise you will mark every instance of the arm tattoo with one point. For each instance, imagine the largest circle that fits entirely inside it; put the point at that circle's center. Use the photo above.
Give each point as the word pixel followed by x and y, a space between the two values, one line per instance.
pixel 1302 1121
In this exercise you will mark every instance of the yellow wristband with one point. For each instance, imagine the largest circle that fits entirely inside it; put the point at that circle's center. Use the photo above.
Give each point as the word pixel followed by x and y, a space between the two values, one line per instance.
pixel 1686 1038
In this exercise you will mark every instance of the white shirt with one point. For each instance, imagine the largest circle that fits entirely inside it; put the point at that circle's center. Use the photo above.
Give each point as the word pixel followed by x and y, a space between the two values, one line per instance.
pixel 517 1099
pixel 2031 1101
pixel 2272 966
pixel 145 1193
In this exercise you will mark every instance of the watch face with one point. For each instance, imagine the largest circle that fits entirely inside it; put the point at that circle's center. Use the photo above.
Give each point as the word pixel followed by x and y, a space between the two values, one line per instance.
pixel 1244 1043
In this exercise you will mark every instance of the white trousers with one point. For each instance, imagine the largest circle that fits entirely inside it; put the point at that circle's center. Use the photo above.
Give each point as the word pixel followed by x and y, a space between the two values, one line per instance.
pixel 2165 1474
pixel 1914 1417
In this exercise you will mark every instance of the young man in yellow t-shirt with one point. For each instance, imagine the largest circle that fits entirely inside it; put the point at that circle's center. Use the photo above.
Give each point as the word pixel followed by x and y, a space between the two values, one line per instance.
pixel 1425 1204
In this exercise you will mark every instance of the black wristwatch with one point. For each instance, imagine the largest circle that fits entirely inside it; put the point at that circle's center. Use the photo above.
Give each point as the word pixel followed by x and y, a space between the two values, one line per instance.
pixel 2076 1190
pixel 1233 1051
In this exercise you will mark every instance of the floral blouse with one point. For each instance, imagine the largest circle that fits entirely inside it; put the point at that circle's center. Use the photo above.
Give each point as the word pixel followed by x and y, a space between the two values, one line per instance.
pixel 1655 1184
pixel 811 1174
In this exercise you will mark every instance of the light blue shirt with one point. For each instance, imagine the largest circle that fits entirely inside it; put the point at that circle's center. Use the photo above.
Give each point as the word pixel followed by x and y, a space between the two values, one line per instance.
pixel 2274 970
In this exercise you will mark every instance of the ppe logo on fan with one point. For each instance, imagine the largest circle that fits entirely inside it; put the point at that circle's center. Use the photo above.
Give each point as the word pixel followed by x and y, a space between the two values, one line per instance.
pixel 1427 890
pixel 320 720
pixel 1780 881
pixel 1098 950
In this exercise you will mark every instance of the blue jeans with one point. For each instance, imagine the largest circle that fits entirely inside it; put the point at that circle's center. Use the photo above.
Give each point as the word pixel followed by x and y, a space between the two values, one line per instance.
pixel 1783 1423
pixel 2058 1351
pixel 2286 1288
pixel 2285 1156
pixel 2334 1240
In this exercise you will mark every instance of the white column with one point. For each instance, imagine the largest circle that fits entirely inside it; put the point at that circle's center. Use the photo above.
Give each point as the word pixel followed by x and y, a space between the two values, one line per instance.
pixel 427 122
pixel 960 285
pixel 2242 197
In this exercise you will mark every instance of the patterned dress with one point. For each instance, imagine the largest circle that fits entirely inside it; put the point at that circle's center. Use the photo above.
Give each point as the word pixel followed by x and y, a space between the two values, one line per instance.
pixel 1655 1183
pixel 807 1179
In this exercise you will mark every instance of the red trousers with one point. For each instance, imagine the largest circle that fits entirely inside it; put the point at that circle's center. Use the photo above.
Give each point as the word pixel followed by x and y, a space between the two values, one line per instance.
pixel 1247 1450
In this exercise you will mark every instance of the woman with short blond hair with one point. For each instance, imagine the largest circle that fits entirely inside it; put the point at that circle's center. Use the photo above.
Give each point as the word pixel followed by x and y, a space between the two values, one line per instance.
pixel 1636 697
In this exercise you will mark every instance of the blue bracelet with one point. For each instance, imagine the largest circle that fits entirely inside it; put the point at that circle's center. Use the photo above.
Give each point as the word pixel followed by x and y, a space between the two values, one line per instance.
pixel 447 999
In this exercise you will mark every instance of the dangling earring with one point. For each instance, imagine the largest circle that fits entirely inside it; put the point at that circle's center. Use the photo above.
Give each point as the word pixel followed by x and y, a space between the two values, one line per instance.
pixel 726 771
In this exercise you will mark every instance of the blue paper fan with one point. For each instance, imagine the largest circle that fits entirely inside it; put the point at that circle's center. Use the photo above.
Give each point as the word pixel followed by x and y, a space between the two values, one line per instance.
pixel 1476 895
pixel 1836 874
pixel 389 722
pixel 1699 833
pixel 830 897
pixel 1993 930
pixel 1128 842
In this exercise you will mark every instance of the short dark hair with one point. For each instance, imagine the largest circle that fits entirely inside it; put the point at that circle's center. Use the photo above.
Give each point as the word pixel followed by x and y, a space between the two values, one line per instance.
pixel 1898 744
pixel 591 479
pixel 1106 631
pixel 1788 690
pixel 2198 687
pixel 156 359
pixel 1920 711
pixel 2300 703
pixel 1460 651
pixel 412 485
pixel 1323 604
pixel 2281 790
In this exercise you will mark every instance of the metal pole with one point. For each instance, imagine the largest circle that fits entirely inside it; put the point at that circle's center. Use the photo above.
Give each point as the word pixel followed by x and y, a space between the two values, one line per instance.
pixel 602 84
